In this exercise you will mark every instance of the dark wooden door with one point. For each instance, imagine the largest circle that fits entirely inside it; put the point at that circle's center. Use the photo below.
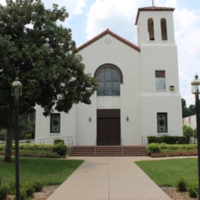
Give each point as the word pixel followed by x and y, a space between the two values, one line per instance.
pixel 108 128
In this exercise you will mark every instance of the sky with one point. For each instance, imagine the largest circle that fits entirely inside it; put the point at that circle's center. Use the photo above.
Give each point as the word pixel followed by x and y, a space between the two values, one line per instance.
pixel 88 18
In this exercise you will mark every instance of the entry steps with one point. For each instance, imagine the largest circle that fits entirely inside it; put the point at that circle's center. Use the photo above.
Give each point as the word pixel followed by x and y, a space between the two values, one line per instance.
pixel 108 151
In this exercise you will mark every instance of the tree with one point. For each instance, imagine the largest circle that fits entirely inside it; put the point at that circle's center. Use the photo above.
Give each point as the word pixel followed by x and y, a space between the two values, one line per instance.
pixel 44 58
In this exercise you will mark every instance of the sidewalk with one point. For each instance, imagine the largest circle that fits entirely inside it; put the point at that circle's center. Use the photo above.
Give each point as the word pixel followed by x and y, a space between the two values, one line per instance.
pixel 109 178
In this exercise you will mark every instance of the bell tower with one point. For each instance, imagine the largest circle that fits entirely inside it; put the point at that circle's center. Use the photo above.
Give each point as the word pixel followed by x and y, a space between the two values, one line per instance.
pixel 155 25
pixel 160 97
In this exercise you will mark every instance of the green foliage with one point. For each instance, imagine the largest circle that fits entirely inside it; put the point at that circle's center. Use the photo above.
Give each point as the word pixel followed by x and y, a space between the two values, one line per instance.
pixel 153 148
pixel 38 186
pixel 28 136
pixel 28 187
pixel 56 141
pixel 193 190
pixel 44 58
pixel 4 191
pixel 182 184
pixel 188 130
pixel 186 112
pixel 60 149
pixel 167 139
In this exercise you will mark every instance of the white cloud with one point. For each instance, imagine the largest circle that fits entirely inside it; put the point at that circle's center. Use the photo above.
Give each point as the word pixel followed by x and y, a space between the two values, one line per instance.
pixel 3 2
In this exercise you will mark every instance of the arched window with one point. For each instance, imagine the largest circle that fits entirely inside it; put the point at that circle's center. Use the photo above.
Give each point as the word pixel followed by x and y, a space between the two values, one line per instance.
pixel 163 24
pixel 151 29
pixel 109 79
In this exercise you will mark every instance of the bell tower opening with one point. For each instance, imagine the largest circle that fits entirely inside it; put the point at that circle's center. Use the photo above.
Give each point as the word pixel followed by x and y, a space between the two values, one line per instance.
pixel 151 29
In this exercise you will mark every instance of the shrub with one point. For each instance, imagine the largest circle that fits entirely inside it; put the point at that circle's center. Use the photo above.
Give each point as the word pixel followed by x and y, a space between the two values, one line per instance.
pixel 28 187
pixel 38 186
pixel 193 190
pixel 4 191
pixel 167 139
pixel 28 136
pixel 153 148
pixel 182 184
pixel 60 149
pixel 188 130
pixel 56 141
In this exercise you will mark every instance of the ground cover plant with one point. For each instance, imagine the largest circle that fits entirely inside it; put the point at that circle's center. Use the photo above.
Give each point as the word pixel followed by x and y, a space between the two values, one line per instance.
pixel 163 150
pixel 168 172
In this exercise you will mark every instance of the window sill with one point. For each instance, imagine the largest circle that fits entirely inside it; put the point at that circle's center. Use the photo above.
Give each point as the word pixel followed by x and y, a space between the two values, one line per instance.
pixel 162 134
pixel 161 90
pixel 54 134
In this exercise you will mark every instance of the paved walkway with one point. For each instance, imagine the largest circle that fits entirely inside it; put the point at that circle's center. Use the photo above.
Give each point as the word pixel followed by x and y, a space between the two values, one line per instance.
pixel 109 178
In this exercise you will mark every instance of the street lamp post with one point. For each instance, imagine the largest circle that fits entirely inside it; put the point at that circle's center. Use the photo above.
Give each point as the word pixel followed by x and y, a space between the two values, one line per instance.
pixel 16 92
pixel 196 90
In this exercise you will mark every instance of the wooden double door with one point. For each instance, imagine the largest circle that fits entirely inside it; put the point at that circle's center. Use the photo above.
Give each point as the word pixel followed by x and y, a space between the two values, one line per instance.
pixel 108 127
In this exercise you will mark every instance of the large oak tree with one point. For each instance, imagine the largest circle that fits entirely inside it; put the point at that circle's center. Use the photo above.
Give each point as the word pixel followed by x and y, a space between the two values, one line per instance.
pixel 44 58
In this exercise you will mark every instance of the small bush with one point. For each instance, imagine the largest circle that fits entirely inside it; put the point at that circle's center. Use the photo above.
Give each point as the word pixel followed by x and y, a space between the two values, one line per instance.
pixel 4 191
pixel 167 139
pixel 182 184
pixel 193 190
pixel 60 149
pixel 28 136
pixel 153 148
pixel 57 141
pixel 38 186
pixel 28 187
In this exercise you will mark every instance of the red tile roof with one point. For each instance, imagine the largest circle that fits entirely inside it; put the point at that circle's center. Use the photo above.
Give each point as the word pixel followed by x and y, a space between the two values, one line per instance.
pixel 107 31
pixel 152 8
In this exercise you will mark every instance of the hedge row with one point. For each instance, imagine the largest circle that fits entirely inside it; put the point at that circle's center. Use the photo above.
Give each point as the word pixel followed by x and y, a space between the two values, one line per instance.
pixel 58 148
pixel 28 146
pixel 157 148
pixel 168 139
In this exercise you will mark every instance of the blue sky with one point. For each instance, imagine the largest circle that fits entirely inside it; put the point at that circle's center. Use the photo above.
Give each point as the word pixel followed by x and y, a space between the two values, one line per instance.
pixel 88 18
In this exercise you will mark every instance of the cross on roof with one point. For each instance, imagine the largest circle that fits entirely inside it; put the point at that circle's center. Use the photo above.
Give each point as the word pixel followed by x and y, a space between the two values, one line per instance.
pixel 152 2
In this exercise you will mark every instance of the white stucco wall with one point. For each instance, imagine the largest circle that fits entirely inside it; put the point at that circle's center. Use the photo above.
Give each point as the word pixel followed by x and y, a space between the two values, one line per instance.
pixel 67 125
pixel 128 60
pixel 190 121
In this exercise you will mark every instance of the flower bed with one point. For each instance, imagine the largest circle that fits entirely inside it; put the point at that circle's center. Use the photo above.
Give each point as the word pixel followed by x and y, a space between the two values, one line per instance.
pixel 172 154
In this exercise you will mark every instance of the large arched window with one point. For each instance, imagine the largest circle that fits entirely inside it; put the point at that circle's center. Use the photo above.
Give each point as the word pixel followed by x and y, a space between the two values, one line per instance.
pixel 109 79
pixel 163 29
pixel 151 29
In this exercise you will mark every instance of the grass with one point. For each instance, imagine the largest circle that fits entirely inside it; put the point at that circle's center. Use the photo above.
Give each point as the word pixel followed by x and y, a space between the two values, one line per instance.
pixel 168 172
pixel 49 171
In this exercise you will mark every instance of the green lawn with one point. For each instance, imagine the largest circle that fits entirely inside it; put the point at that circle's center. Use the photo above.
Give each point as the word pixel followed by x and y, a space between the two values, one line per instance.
pixel 168 172
pixel 50 171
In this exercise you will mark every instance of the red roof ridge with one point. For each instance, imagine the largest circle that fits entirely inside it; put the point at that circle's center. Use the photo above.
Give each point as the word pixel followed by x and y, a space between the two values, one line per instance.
pixel 152 8
pixel 107 31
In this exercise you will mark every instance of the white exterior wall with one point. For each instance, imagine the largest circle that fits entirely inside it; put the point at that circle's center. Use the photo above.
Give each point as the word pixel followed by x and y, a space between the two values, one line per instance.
pixel 128 60
pixel 190 121
pixel 67 125
pixel 159 55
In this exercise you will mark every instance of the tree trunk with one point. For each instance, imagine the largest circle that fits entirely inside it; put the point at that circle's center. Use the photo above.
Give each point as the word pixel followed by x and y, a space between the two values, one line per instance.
pixel 10 131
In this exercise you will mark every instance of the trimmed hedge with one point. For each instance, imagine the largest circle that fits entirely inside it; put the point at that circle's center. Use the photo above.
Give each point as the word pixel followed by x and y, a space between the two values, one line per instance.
pixel 57 141
pixel 39 150
pixel 157 148
pixel 168 139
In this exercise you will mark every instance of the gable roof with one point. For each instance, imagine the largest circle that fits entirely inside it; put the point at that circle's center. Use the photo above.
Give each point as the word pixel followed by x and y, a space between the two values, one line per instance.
pixel 152 8
pixel 107 31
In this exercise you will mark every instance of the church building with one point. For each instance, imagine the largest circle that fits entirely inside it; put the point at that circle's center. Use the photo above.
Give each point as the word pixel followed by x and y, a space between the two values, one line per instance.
pixel 138 93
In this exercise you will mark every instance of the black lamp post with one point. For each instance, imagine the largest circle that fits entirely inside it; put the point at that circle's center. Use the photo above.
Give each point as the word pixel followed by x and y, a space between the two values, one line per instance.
pixel 16 92
pixel 196 90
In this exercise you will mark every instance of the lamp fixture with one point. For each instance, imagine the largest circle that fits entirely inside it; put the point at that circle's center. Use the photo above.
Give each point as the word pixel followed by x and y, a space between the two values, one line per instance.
pixel 90 119
pixel 127 118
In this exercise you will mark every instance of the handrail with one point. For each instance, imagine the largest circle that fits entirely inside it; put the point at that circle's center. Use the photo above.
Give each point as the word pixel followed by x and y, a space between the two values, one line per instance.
pixel 122 146
pixel 95 148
